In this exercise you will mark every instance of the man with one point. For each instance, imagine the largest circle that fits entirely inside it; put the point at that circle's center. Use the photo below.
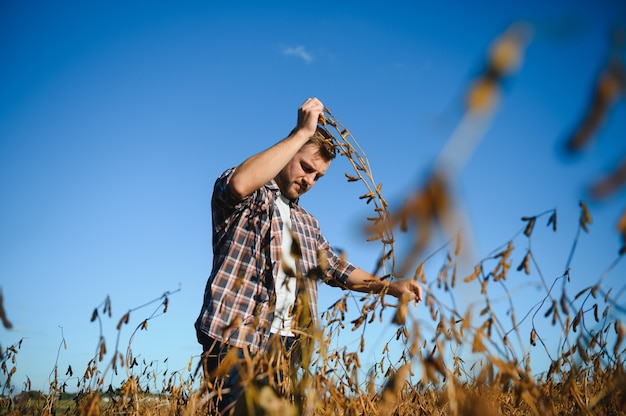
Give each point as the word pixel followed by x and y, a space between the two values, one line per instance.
pixel 252 289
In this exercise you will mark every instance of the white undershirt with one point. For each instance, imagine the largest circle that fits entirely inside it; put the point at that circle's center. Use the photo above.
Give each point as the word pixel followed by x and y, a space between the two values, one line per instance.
pixel 285 291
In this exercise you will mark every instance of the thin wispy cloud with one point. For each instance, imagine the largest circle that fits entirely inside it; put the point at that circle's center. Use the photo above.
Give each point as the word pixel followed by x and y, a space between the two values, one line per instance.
pixel 299 52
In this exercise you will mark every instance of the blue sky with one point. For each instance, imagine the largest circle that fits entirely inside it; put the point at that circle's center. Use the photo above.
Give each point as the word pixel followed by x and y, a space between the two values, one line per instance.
pixel 116 117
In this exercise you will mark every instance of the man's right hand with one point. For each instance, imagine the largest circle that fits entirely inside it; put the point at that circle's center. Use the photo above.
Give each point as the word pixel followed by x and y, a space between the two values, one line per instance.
pixel 308 116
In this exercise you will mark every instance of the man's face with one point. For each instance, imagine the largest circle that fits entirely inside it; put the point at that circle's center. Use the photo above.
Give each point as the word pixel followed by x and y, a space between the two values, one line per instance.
pixel 301 173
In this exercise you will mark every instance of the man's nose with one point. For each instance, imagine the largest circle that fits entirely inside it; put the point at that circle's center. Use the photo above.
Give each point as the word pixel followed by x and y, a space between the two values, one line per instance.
pixel 310 178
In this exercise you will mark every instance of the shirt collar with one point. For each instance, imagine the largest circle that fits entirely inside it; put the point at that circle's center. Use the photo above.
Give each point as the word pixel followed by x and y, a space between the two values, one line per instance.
pixel 273 186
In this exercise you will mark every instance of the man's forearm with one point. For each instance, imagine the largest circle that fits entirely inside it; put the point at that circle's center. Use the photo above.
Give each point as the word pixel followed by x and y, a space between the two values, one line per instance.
pixel 361 281
pixel 259 169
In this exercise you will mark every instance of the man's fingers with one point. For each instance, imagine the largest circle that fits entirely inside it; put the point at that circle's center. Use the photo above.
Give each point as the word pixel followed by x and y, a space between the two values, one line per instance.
pixel 418 293
pixel 312 107
pixel 309 114
pixel 313 104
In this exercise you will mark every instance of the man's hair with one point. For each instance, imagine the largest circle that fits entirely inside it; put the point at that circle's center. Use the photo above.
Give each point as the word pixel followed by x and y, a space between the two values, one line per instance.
pixel 324 141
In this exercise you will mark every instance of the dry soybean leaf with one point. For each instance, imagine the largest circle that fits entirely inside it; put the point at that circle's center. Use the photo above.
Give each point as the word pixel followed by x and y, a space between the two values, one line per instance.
pixel 3 315
pixel 569 352
pixel 552 221
pixel 577 319
pixel 358 322
pixel 582 292
pixel 227 363
pixel 367 196
pixel 607 90
pixel 585 217
pixel 582 351
pixel 477 345
pixel 103 350
pixel 322 259
pixel 399 333
pixel 107 306
pixel 525 264
pixel 611 183
pixel 437 363
pixel 351 178
pixel 529 227
pixel 402 309
pixel 393 387
pixel 466 321
pixel 482 96
pixel 619 329
pixel 295 250
pixel 555 314
pixel 419 273
pixel 453 283
pixel 123 320
pixel 505 55
pixel 621 227
pixel 474 275
pixel 564 306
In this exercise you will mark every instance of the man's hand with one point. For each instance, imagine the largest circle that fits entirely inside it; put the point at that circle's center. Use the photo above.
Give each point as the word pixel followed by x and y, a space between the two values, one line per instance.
pixel 409 286
pixel 361 281
pixel 308 116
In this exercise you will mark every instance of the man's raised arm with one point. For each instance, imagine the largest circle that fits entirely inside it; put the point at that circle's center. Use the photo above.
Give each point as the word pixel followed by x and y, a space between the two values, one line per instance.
pixel 259 169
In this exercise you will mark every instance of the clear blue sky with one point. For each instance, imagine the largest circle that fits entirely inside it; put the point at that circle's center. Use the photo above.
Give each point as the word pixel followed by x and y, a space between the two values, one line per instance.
pixel 116 117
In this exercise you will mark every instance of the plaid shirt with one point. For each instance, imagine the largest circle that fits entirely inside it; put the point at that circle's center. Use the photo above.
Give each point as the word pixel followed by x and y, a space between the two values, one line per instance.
pixel 239 295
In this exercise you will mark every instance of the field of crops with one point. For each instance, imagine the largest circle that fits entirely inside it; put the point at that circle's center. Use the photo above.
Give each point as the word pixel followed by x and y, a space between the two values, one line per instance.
pixel 456 359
